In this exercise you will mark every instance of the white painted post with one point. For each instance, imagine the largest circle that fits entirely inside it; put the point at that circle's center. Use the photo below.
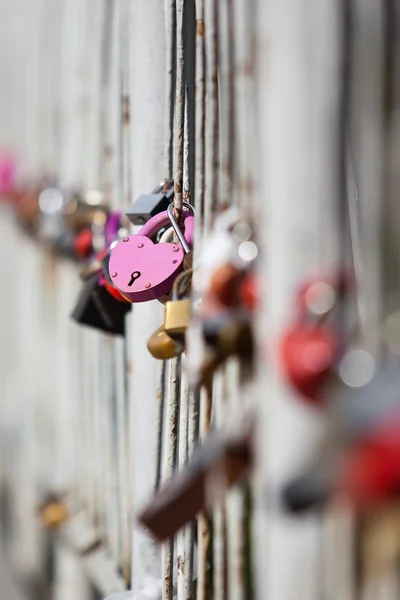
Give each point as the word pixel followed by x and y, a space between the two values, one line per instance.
pixel 298 66
pixel 147 90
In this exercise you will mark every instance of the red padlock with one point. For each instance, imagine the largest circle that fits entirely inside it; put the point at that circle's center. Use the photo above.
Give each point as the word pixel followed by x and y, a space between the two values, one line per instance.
pixel 308 355
pixel 370 471
pixel 249 292
pixel 84 243
pixel 114 292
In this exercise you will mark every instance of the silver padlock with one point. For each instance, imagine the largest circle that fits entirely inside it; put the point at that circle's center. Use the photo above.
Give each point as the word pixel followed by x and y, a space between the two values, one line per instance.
pixel 148 205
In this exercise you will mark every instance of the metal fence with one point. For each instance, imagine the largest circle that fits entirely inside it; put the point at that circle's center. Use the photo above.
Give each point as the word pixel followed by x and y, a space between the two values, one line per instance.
pixel 243 104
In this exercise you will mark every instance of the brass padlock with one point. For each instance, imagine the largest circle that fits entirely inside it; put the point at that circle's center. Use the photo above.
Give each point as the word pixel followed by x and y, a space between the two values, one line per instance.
pixel 177 311
pixel 53 514
pixel 162 346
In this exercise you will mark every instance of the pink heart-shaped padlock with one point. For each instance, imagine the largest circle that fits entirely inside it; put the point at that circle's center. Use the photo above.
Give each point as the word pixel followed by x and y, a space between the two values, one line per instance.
pixel 142 270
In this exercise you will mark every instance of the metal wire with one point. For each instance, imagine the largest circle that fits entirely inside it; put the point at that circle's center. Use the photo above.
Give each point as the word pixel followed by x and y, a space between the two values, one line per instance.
pixel 185 537
pixel 211 195
pixel 203 529
pixel 170 37
pixel 200 119
pixel 170 462
pixel 179 129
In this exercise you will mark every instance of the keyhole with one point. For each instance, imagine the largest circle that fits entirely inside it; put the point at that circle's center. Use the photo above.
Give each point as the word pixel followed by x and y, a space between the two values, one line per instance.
pixel 135 275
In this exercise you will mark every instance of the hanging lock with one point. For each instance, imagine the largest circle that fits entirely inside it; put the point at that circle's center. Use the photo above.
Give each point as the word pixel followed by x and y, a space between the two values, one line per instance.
pixel 177 310
pixel 142 270
pixel 162 346
pixel 53 513
pixel 227 334
pixel 149 205
pixel 362 460
pixel 97 308
pixel 311 346
pixel 80 212
pixel 223 460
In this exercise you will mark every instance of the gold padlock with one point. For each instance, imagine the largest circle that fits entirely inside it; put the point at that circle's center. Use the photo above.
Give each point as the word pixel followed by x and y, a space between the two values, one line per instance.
pixel 162 346
pixel 53 514
pixel 177 312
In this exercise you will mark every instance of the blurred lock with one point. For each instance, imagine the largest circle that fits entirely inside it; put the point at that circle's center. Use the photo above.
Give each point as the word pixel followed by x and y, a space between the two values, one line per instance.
pixel 311 348
pixel 79 214
pixel 370 470
pixel 27 208
pixel 83 243
pixel 249 292
pixel 225 285
pixel 227 334
pixel 308 354
pixel 218 464
pixel 53 515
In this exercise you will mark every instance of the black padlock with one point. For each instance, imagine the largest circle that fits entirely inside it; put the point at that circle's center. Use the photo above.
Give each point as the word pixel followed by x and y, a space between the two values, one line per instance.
pixel 148 205
pixel 98 309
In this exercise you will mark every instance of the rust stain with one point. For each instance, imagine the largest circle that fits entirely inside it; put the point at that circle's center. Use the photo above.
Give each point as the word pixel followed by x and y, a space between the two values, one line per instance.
pixel 126 110
pixel 181 565
pixel 167 586
pixel 177 187
pixel 200 27
pixel 129 367
pixel 173 426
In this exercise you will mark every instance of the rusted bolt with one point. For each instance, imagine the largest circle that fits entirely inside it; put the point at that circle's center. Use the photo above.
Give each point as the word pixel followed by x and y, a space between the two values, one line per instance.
pixel 176 248
pixel 114 274
pixel 126 239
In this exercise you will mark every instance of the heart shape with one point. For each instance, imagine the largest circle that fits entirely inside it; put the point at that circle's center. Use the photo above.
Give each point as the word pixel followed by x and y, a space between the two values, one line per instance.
pixel 142 270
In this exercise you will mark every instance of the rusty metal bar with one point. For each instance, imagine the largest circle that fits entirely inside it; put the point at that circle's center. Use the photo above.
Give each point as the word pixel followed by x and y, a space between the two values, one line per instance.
pixel 179 128
pixel 170 75
pixel 185 537
pixel 235 499
pixel 171 457
pixel 203 531
pixel 242 14
pixel 125 145
pixel 211 141
pixel 219 513
pixel 200 119
pixel 227 100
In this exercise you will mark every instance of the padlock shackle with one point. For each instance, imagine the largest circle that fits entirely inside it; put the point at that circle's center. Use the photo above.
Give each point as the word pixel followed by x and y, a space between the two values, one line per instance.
pixel 176 227
pixel 163 218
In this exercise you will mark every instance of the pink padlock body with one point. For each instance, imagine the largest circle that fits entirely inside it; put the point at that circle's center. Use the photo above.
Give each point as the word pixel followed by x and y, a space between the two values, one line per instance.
pixel 158 265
